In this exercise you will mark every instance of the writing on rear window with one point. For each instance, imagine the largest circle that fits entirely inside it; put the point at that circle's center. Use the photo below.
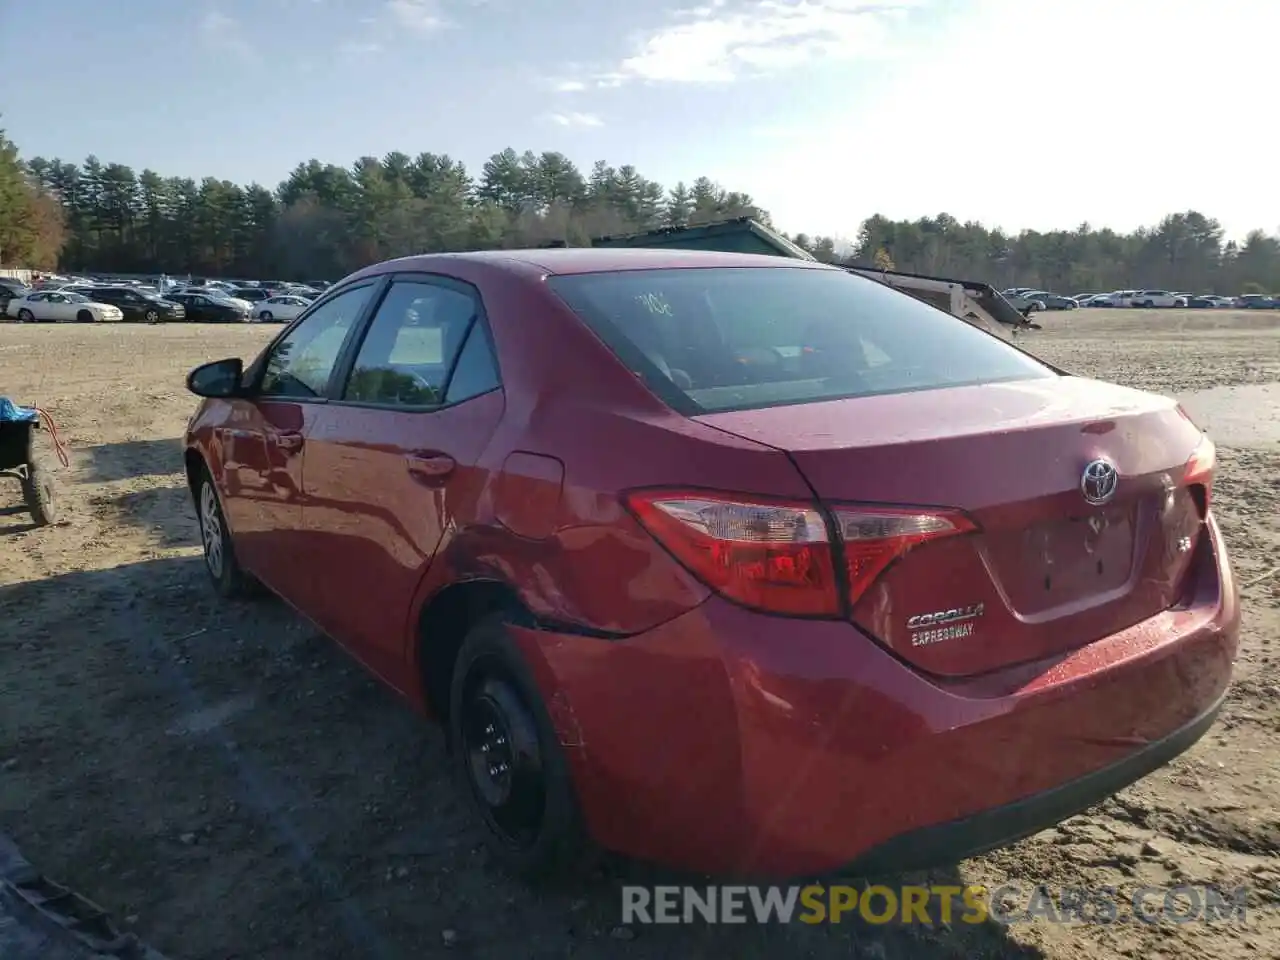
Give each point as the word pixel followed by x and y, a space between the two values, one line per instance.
pixel 654 303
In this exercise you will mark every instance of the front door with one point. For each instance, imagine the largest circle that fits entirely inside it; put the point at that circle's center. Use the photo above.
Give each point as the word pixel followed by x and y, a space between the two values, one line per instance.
pixel 264 442
pixel 391 462
pixel 60 307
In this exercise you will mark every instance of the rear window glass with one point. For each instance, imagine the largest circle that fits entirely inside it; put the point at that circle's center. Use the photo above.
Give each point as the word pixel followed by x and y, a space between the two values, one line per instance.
pixel 715 339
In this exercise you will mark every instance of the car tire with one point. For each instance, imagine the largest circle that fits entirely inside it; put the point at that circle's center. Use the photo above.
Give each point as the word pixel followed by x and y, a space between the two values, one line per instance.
pixel 151 316
pixel 508 760
pixel 26 316
pixel 229 579
pixel 265 316
pixel 84 316
pixel 1148 304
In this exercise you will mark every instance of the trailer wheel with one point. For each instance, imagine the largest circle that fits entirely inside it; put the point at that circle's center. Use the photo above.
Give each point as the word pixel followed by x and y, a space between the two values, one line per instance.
pixel 39 492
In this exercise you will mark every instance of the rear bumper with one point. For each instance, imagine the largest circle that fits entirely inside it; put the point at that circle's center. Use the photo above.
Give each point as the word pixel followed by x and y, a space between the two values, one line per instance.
pixel 728 742
pixel 1000 826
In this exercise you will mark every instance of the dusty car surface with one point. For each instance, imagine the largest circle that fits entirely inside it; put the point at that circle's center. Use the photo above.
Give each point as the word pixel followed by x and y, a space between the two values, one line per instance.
pixel 736 563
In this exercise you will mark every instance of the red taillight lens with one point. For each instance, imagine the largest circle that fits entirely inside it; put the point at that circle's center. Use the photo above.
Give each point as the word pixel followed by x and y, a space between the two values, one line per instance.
pixel 770 555
pixel 1200 470
pixel 874 537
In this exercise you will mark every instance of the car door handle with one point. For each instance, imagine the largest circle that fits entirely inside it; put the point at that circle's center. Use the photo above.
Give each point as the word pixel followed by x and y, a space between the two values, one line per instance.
pixel 288 441
pixel 430 467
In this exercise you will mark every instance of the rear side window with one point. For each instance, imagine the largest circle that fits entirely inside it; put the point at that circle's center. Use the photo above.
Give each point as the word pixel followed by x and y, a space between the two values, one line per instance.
pixel 716 339
pixel 409 350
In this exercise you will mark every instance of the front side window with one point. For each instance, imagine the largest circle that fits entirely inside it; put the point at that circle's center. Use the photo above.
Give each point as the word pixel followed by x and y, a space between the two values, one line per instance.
pixel 301 363
pixel 711 339
pixel 410 346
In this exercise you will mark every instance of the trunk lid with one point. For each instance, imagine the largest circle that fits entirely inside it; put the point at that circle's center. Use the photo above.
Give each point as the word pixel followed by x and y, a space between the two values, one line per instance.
pixel 1045 570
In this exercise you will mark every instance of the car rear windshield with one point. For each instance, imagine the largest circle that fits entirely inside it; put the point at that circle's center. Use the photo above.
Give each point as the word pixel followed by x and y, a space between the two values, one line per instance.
pixel 718 339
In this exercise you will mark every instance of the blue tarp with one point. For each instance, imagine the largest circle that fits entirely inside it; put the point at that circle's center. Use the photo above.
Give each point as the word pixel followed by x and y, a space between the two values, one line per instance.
pixel 12 413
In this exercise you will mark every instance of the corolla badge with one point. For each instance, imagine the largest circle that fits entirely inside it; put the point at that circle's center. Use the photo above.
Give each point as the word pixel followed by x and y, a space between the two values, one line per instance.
pixel 1099 481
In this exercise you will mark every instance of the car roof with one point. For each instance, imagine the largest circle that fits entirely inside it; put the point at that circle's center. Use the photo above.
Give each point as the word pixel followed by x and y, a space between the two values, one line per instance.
pixel 568 260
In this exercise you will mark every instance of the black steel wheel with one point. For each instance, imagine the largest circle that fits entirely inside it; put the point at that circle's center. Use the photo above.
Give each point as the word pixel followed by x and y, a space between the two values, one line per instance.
pixel 509 762
pixel 504 761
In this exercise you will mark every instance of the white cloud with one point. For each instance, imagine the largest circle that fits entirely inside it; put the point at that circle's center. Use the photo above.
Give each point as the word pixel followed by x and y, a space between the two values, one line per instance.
pixel 360 48
pixel 721 41
pixel 420 16
pixel 568 86
pixel 576 120
pixel 941 130
pixel 224 34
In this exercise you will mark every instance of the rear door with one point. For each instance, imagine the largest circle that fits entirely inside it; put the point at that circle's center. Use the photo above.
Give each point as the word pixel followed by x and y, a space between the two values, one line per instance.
pixel 391 461
pixel 264 441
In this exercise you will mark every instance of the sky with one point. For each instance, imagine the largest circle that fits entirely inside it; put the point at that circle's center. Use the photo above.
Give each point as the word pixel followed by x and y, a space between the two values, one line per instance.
pixel 1022 114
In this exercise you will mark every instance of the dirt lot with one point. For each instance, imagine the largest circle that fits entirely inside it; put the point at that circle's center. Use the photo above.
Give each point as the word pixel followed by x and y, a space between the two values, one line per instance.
pixel 229 784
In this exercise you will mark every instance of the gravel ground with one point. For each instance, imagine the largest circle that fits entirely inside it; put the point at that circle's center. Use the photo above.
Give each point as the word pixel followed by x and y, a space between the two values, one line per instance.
pixel 229 785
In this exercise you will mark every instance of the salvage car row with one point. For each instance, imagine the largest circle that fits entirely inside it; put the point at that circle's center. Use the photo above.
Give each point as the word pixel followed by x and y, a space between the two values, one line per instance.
pixel 115 304
pixel 1031 300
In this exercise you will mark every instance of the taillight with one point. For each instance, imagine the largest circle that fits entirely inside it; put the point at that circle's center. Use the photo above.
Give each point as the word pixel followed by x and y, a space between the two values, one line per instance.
pixel 777 556
pixel 874 537
pixel 770 555
pixel 1200 470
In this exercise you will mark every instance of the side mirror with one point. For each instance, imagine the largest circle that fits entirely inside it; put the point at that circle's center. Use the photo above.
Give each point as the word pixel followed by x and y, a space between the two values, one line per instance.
pixel 221 379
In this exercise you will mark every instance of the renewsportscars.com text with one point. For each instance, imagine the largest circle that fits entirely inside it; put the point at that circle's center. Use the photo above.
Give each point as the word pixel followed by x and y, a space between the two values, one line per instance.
pixel 932 905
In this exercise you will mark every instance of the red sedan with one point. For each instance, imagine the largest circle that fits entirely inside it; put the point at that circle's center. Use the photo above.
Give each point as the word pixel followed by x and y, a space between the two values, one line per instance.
pixel 742 564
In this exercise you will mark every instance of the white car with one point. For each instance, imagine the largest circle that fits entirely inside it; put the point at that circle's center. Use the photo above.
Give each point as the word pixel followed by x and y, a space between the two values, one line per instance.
pixel 279 308
pixel 54 305
pixel 1156 298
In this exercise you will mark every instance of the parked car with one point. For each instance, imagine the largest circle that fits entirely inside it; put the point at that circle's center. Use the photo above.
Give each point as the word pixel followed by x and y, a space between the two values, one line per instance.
pixel 280 308
pixel 252 295
pixel 1022 303
pixel 56 305
pixel 1122 298
pixel 9 289
pixel 138 306
pixel 214 293
pixel 1156 298
pixel 1051 301
pixel 753 610
pixel 208 308
pixel 1257 301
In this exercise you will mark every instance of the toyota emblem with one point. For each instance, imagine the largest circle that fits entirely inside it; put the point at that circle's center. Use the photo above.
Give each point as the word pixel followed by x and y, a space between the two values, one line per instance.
pixel 1099 482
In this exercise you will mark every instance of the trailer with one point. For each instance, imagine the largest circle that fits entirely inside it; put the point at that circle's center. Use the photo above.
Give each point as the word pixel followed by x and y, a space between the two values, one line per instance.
pixel 971 300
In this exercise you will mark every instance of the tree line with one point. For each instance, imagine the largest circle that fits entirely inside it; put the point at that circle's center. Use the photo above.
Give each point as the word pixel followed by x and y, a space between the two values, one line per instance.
pixel 325 220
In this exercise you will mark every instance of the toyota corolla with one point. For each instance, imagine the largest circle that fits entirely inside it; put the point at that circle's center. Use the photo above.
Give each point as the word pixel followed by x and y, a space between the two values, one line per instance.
pixel 740 564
